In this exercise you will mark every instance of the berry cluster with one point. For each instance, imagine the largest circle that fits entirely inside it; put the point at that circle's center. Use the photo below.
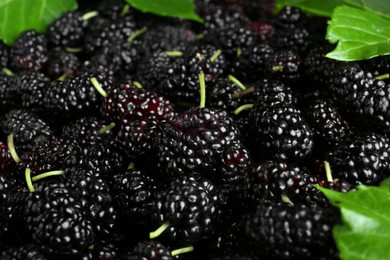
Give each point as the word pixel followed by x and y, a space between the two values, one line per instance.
pixel 125 135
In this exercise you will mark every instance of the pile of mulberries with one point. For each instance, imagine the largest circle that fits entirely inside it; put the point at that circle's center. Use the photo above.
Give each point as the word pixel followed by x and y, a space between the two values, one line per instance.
pixel 125 135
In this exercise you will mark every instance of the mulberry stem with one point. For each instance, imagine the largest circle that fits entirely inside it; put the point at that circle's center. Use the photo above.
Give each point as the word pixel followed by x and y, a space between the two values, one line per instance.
pixel 137 84
pixel 286 199
pixel 328 171
pixel 174 53
pixel 131 166
pixel 89 15
pixel 73 50
pixel 27 174
pixel 62 78
pixel 182 250
pixel 125 10
pixel 11 148
pixel 47 174
pixel 242 108
pixel 215 55
pixel 277 68
pixel 136 34
pixel 238 52
pixel 237 82
pixel 202 90
pixel 7 71
pixel 243 93
pixel 106 128
pixel 200 36
pixel 98 87
pixel 159 231
pixel 382 77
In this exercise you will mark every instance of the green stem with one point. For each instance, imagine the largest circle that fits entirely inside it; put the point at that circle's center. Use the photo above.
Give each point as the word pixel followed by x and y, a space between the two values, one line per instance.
pixel 7 71
pixel 137 84
pixel 131 166
pixel 328 172
pixel 73 50
pixel 237 82
pixel 384 76
pixel 98 87
pixel 106 128
pixel 277 68
pixel 89 15
pixel 137 33
pixel 63 77
pixel 125 10
pixel 200 36
pixel 159 231
pixel 27 175
pixel 215 55
pixel 242 108
pixel 243 93
pixel 47 174
pixel 239 52
pixel 202 84
pixel 11 148
pixel 286 199
pixel 174 53
pixel 182 250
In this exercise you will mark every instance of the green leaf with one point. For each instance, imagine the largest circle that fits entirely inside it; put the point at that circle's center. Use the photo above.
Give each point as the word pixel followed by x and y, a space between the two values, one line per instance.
pixel 17 16
pixel 365 229
pixel 380 7
pixel 360 34
pixel 322 8
pixel 174 8
pixel 326 7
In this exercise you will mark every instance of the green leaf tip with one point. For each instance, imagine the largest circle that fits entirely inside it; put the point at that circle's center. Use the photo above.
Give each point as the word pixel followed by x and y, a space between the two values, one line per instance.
pixel 185 9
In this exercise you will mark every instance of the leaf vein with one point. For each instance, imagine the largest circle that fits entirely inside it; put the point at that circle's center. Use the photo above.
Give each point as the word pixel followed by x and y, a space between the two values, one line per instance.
pixel 4 23
pixel 358 30
pixel 42 9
